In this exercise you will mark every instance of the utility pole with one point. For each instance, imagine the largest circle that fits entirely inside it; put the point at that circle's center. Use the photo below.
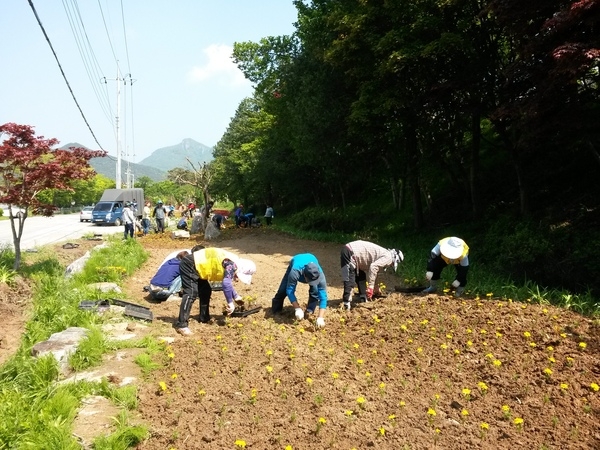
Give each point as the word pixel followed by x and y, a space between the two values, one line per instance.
pixel 118 79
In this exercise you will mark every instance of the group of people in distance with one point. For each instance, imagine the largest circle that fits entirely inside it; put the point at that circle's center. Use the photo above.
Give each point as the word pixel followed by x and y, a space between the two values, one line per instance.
pixel 360 262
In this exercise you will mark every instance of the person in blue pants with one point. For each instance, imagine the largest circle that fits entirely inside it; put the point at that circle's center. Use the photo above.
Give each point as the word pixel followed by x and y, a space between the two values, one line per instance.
pixel 303 268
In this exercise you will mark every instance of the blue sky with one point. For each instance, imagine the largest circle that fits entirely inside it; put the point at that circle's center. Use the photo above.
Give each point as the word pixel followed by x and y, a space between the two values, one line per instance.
pixel 177 52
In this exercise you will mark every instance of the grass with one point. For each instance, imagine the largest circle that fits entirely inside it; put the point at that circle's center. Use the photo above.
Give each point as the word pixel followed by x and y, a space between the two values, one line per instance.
pixel 35 412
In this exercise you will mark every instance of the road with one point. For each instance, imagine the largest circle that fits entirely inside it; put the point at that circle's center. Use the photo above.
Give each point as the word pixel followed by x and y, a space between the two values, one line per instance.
pixel 39 231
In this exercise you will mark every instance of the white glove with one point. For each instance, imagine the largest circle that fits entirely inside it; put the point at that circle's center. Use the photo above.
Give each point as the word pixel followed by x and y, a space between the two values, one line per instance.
pixel 320 322
pixel 429 275
pixel 230 308
pixel 299 314
pixel 455 283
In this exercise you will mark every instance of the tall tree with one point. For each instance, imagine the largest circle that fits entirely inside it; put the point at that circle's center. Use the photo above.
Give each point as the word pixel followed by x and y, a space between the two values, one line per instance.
pixel 28 166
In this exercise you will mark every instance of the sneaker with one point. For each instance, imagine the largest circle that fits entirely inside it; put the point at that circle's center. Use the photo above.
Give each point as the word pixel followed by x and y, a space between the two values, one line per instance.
pixel 429 290
pixel 347 306
pixel 184 331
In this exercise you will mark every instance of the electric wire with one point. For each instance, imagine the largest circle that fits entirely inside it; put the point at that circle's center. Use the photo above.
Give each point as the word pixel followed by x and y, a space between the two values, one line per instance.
pixel 62 71
pixel 87 56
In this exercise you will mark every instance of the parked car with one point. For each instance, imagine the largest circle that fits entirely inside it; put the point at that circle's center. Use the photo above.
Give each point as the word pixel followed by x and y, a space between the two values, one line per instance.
pixel 86 214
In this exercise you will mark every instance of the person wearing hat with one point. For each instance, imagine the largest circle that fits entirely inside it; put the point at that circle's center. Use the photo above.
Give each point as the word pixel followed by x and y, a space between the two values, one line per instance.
pixel 128 220
pixel 359 258
pixel 198 270
pixel 303 268
pixel 450 250
pixel 159 213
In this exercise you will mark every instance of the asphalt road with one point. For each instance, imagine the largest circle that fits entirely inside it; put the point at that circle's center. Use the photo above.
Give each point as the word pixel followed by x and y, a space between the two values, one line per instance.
pixel 39 231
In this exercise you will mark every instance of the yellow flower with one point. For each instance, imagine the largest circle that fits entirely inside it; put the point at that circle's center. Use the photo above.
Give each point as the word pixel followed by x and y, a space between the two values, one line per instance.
pixel 348 412
pixel 289 447
pixel 403 327
pixel 497 363
pixel 392 416
pixel 309 381
pixel 582 345
pixel 240 443
pixel 484 426
pixel 322 420
pixel 381 385
pixel 335 375
pixel 489 294
pixel 174 376
pixel 269 369
pixel 269 352
pixel 163 385
pixel 360 400
pixel 552 360
pixel 201 392
pixel 527 334
pixel 532 344
pixel 359 361
pixel 402 403
pixel 481 385
pixel 550 348
pixel 548 371
pixel 469 343
pixel 382 431
pixel 171 355
pixel 505 408
pixel 431 412
pixel 443 346
pixel 594 387
pixel 355 345
pixel 277 381
pixel 464 412
pixel 564 386
pixel 466 392
pixel 518 421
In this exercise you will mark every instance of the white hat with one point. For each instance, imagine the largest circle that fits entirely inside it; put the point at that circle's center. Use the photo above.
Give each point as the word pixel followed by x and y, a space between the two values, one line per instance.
pixel 245 269
pixel 453 248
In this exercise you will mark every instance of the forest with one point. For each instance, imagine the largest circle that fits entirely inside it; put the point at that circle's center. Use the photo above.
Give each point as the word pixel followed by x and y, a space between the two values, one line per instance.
pixel 379 117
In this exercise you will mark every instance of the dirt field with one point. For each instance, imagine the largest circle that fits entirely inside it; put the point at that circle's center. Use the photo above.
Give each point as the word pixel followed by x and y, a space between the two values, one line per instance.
pixel 406 371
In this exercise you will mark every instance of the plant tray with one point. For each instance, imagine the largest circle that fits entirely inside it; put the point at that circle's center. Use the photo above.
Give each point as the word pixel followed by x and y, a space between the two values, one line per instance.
pixel 409 290
pixel 118 302
pixel 238 313
pixel 139 312
pixel 216 286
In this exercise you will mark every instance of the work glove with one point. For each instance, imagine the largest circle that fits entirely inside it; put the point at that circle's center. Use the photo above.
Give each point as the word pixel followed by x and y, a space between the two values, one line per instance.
pixel 369 293
pixel 455 283
pixel 299 314
pixel 429 275
pixel 320 322
pixel 459 291
pixel 230 308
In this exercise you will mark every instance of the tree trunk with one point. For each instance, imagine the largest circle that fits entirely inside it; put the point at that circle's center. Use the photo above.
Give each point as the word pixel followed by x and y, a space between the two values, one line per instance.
pixel 413 173
pixel 17 232
pixel 474 170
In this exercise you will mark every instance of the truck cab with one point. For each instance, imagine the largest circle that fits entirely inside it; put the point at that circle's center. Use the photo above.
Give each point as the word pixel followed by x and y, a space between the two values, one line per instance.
pixel 108 213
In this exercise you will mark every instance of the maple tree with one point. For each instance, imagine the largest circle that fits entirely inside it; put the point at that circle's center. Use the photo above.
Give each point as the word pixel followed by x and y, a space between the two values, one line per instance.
pixel 28 166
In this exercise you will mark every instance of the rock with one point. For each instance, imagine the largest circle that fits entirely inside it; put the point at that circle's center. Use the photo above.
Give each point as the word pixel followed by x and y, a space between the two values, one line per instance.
pixel 180 234
pixel 60 345
pixel 106 287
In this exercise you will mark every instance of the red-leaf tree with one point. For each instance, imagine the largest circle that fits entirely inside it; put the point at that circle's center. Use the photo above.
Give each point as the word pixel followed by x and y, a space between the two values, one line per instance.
pixel 28 166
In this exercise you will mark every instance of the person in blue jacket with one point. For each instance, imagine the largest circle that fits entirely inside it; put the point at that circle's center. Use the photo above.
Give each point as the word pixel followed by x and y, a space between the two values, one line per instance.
pixel 303 268
pixel 167 279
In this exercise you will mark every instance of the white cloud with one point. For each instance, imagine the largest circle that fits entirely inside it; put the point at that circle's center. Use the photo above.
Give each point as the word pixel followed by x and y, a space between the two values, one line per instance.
pixel 220 66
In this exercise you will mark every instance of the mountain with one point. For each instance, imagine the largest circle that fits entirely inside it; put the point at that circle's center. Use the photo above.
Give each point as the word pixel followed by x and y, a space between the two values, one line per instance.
pixel 107 166
pixel 168 158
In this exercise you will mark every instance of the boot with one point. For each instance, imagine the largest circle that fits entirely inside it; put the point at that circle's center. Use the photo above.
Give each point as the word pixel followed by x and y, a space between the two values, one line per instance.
pixel 204 314
pixel 432 287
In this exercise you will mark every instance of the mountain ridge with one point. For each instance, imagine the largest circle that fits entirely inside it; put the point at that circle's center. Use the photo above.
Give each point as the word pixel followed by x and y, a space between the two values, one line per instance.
pixel 154 166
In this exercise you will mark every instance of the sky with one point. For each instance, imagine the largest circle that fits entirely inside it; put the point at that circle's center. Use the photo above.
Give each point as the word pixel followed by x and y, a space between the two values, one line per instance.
pixel 170 60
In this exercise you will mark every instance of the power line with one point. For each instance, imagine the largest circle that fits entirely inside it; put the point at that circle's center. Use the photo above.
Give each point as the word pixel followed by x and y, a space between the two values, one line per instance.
pixel 88 56
pixel 62 71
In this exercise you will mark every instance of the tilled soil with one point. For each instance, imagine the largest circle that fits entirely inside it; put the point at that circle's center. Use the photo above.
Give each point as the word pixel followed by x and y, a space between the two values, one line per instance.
pixel 408 371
